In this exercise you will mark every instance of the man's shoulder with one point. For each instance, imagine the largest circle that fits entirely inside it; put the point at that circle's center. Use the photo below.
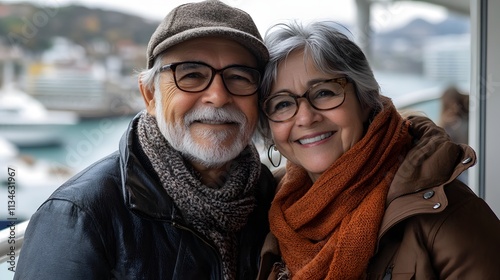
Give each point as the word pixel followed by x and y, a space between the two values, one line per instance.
pixel 99 181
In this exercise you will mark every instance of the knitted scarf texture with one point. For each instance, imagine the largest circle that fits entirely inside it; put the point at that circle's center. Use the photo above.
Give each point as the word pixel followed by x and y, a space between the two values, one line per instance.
pixel 328 229
pixel 217 213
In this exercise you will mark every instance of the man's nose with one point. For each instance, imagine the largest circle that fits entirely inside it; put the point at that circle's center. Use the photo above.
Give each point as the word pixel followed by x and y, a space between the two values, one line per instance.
pixel 216 93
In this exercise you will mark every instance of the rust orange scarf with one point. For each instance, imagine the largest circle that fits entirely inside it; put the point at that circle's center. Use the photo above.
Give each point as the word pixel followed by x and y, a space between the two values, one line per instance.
pixel 328 230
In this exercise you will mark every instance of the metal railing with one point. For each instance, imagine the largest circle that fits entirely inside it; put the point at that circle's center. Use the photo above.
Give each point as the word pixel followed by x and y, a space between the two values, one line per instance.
pixel 11 241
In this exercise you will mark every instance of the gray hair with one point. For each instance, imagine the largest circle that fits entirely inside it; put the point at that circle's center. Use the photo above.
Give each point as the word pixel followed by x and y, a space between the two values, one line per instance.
pixel 331 51
pixel 150 78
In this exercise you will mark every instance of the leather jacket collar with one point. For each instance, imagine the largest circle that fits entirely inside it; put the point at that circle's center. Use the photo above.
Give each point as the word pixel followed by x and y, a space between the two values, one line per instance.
pixel 141 191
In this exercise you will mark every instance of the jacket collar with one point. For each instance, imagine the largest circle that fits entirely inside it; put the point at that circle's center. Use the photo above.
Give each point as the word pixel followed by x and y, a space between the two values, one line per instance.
pixel 433 162
pixel 142 191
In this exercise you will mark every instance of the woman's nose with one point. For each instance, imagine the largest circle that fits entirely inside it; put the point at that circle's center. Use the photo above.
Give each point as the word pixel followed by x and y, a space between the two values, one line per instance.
pixel 306 114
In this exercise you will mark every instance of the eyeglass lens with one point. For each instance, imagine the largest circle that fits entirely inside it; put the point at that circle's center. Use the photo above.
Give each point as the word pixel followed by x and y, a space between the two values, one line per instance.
pixel 323 96
pixel 196 77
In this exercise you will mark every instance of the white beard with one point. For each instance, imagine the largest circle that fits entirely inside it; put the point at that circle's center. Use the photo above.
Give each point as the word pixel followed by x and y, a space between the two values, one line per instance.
pixel 214 153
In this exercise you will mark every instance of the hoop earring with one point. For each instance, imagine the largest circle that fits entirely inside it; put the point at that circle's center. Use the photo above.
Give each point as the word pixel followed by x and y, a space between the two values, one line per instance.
pixel 270 155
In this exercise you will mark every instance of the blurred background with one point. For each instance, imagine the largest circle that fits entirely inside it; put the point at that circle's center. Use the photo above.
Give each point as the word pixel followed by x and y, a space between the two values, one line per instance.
pixel 68 84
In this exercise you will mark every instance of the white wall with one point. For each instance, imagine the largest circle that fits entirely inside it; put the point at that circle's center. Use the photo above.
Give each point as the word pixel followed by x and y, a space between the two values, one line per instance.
pixel 492 191
pixel 485 100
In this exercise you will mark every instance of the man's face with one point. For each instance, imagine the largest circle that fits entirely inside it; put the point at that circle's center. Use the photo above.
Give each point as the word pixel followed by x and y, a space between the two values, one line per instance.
pixel 210 127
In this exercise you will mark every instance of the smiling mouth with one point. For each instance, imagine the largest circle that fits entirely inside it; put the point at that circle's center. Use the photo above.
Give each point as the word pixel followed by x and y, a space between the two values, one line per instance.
pixel 306 141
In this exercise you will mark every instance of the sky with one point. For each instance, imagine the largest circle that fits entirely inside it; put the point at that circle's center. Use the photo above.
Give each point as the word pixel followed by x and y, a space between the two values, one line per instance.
pixel 268 12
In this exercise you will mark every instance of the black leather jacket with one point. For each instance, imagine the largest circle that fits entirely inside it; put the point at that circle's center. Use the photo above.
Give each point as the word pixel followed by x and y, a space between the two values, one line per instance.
pixel 115 221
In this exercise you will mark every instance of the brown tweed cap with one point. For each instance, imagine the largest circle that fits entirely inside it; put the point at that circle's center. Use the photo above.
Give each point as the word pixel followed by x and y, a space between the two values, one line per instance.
pixel 207 18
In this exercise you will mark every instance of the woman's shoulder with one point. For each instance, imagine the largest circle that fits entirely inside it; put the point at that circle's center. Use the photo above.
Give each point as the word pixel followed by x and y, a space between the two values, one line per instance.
pixel 460 196
pixel 464 216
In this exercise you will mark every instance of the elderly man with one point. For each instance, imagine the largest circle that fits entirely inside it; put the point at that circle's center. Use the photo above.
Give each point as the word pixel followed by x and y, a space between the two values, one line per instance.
pixel 186 196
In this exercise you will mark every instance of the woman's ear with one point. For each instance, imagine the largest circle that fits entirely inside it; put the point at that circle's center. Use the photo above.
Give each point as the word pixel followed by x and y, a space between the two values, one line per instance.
pixel 149 97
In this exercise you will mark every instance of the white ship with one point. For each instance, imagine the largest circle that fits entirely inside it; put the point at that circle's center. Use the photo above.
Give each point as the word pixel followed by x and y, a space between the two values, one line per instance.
pixel 24 121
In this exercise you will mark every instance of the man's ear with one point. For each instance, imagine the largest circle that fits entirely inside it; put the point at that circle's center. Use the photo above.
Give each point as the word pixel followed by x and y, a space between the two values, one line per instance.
pixel 149 97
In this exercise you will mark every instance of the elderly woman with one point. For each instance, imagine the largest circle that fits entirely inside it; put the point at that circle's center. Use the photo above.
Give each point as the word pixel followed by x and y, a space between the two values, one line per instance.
pixel 367 194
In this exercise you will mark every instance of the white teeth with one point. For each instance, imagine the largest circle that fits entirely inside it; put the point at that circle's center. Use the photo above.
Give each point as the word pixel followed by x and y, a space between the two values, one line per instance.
pixel 315 139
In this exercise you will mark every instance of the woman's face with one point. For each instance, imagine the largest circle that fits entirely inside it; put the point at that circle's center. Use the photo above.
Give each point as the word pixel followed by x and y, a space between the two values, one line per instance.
pixel 315 139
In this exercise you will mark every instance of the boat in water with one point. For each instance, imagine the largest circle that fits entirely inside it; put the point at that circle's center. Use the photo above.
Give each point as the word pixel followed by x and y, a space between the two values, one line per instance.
pixel 28 180
pixel 25 122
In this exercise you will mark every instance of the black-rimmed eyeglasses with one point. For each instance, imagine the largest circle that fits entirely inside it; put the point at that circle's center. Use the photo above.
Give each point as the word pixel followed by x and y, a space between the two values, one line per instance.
pixel 324 95
pixel 197 76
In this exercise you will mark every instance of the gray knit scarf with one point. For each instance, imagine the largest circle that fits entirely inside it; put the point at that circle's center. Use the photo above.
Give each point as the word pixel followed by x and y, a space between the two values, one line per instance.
pixel 217 213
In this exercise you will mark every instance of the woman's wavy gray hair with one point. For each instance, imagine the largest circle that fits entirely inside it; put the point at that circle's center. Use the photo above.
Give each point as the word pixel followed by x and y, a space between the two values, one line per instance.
pixel 331 51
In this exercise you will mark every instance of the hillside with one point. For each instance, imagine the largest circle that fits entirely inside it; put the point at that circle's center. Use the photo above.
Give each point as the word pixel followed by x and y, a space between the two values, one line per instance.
pixel 32 27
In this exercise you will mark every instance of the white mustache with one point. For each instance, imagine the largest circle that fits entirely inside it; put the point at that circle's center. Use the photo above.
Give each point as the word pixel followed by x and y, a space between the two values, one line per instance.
pixel 215 115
